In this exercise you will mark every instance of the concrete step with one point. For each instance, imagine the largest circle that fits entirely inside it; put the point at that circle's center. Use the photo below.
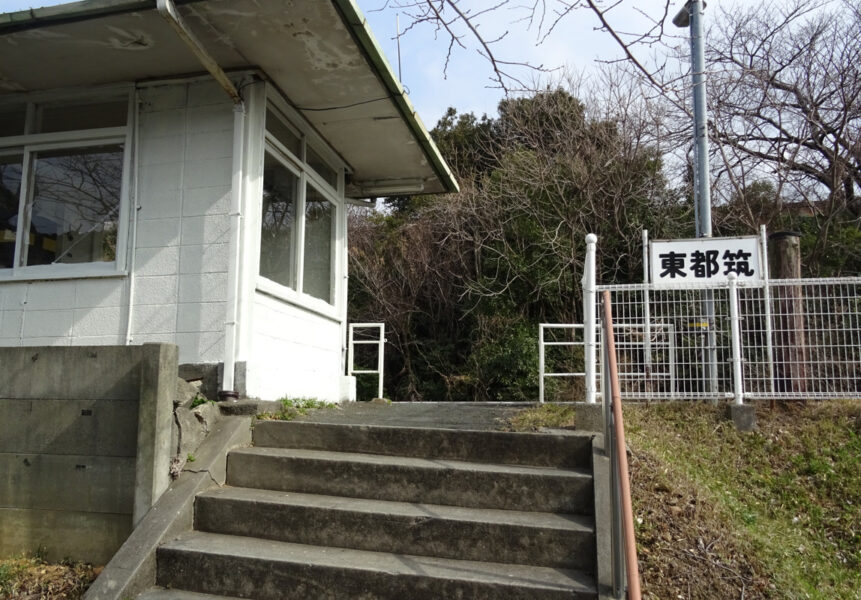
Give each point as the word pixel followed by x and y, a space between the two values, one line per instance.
pixel 539 449
pixel 505 536
pixel 166 594
pixel 269 570
pixel 404 479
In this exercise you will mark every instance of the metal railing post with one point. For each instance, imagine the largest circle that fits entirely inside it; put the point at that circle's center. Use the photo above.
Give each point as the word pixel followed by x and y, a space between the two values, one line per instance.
pixel 647 316
pixel 735 328
pixel 589 317
pixel 350 349
pixel 769 345
pixel 541 363
pixel 672 361
pixel 381 348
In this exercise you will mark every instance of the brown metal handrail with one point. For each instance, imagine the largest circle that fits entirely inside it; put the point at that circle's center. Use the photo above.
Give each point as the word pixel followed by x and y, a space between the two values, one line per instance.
pixel 621 455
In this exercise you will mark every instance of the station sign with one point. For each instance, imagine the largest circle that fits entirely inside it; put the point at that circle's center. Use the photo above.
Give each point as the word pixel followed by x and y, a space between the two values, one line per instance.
pixel 708 260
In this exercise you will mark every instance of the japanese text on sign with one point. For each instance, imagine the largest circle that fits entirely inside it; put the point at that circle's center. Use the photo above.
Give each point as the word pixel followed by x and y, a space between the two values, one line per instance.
pixel 704 259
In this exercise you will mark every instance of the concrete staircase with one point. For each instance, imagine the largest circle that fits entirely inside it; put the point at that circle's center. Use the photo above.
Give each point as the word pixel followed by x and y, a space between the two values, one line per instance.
pixel 355 511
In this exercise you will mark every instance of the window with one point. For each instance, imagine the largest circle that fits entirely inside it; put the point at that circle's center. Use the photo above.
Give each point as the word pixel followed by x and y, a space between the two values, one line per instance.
pixel 299 209
pixel 278 224
pixel 319 228
pixel 62 168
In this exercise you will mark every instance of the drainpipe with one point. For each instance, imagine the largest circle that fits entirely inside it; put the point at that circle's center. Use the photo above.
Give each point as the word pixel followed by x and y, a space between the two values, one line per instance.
pixel 234 252
pixel 167 9
pixel 135 209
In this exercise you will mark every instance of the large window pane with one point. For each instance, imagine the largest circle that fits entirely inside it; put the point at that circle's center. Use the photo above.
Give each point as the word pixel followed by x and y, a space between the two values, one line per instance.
pixel 10 189
pixel 319 225
pixel 75 205
pixel 278 224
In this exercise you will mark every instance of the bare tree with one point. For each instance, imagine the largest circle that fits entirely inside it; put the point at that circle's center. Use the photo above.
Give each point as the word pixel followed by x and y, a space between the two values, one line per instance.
pixel 402 276
pixel 459 24
pixel 785 103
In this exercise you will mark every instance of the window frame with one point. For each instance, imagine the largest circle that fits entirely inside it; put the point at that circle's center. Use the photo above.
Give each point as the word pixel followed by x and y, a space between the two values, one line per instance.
pixel 29 145
pixel 271 146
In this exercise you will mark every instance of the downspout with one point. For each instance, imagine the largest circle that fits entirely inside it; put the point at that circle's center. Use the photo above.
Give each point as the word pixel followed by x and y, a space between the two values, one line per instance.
pixel 234 256
pixel 135 209
pixel 167 9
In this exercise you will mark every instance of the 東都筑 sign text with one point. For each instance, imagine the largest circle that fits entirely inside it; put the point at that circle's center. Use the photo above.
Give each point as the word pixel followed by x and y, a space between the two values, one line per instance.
pixel 704 260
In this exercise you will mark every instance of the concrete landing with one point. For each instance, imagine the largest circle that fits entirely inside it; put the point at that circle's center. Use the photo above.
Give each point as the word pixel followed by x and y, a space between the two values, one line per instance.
pixel 445 415
pixel 549 449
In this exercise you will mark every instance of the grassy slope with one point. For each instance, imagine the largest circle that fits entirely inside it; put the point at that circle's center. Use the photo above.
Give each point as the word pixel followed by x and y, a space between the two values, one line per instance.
pixel 771 514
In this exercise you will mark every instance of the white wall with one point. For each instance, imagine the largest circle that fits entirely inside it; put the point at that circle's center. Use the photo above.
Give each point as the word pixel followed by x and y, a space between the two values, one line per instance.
pixel 295 353
pixel 62 313
pixel 186 134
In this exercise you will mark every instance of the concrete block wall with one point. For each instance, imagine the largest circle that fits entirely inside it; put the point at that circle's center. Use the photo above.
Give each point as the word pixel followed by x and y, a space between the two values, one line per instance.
pixel 300 345
pixel 185 165
pixel 63 313
pixel 84 445
pixel 185 137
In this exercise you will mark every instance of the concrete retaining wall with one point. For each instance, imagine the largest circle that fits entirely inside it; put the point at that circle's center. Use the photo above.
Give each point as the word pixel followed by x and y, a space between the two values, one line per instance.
pixel 84 445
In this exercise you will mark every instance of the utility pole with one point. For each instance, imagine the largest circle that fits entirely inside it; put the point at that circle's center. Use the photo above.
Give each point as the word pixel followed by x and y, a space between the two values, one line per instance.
pixel 691 17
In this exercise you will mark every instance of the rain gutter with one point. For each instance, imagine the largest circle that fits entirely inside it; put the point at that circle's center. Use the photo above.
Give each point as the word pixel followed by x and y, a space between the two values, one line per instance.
pixel 34 18
pixel 361 31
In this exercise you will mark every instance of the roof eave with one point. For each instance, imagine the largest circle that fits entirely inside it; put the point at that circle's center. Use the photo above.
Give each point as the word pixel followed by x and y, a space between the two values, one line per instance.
pixel 366 41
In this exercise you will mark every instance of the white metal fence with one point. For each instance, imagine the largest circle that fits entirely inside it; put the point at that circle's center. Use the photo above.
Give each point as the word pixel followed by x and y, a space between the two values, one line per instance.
pixel 793 339
pixel 784 339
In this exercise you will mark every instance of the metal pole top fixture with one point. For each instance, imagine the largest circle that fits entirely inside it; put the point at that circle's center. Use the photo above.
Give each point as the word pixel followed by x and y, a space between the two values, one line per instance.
pixel 683 17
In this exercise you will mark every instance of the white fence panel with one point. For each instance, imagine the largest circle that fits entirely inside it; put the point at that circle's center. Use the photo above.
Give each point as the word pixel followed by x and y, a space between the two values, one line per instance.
pixel 795 339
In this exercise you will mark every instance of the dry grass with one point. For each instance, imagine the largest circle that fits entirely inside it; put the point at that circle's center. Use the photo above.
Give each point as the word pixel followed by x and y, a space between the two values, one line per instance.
pixel 31 578
pixel 546 415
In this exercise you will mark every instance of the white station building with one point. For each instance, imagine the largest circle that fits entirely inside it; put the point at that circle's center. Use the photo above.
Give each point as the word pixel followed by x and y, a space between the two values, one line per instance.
pixel 180 171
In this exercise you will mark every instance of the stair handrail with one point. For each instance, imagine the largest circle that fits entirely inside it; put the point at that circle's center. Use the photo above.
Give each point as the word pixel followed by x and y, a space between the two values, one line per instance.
pixel 614 435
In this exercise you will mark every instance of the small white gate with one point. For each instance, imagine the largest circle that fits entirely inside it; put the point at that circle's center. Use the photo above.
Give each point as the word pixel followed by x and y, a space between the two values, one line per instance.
pixel 380 342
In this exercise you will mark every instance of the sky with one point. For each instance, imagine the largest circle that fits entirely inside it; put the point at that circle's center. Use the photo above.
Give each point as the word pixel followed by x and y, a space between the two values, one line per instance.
pixel 466 85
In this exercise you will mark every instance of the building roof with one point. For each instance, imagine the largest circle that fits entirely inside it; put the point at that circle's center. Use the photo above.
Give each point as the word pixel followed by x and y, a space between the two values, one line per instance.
pixel 321 54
